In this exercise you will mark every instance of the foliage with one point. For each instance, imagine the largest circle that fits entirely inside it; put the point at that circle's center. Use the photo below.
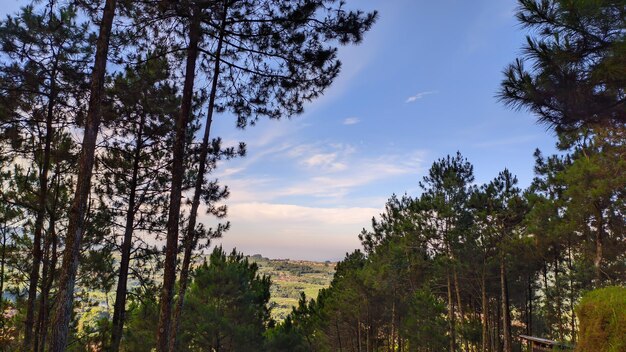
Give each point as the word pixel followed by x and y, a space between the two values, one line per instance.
pixel 226 308
pixel 571 74
pixel 602 320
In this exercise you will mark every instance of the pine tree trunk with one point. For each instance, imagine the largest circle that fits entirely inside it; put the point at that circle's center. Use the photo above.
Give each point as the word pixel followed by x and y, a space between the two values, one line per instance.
pixel 36 252
pixel 459 305
pixel 191 237
pixel 530 306
pixel 47 277
pixel 485 312
pixel 338 335
pixel 451 317
pixel 65 295
pixel 597 261
pixel 498 326
pixel 571 291
pixel 559 299
pixel 119 310
pixel 171 251
pixel 2 263
pixel 506 314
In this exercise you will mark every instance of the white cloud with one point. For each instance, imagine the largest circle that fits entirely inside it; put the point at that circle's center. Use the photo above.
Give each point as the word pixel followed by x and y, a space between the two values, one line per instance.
pixel 419 96
pixel 290 213
pixel 356 172
pixel 351 121
pixel 313 233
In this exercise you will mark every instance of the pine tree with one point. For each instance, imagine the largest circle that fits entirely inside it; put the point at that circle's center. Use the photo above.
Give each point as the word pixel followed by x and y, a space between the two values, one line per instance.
pixel 447 189
pixel 262 32
pixel 67 281
pixel 131 173
pixel 576 56
pixel 227 302
pixel 44 45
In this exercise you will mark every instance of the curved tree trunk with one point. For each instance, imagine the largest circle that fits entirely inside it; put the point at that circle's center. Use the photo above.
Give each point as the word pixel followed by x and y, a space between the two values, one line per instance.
pixel 65 295
pixel 171 251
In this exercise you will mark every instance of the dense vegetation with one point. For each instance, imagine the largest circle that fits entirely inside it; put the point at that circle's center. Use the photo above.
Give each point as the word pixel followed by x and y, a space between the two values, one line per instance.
pixel 458 267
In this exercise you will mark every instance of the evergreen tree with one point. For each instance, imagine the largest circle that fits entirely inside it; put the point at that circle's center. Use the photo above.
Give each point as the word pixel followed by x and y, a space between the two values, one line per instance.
pixel 260 33
pixel 45 46
pixel 576 56
pixel 447 189
pixel 132 172
pixel 65 294
pixel 227 307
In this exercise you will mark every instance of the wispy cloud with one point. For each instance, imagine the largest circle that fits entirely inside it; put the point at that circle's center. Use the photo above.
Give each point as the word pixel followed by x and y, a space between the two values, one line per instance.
pixel 419 96
pixel 327 173
pixel 351 121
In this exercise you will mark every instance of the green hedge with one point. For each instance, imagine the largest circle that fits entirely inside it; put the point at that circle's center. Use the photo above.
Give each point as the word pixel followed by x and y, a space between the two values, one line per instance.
pixel 602 316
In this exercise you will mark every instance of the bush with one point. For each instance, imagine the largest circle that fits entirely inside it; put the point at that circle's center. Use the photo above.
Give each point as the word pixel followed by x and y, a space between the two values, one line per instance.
pixel 602 316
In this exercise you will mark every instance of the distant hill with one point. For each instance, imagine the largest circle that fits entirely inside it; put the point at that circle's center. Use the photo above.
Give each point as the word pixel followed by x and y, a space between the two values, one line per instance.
pixel 290 278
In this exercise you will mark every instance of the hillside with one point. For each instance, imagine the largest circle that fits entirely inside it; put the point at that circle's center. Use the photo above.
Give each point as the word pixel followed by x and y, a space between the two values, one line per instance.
pixel 290 278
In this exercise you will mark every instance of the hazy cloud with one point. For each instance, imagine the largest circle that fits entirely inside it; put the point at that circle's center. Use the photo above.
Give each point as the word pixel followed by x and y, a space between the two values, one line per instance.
pixel 314 233
pixel 351 121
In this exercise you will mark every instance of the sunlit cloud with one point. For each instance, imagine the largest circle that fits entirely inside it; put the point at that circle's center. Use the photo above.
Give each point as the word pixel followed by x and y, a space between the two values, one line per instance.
pixel 419 96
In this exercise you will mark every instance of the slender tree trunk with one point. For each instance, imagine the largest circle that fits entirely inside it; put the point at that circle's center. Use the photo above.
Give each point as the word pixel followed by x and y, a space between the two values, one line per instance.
pixel 47 278
pixel 393 325
pixel 169 271
pixel 3 258
pixel 530 306
pixel 451 317
pixel 36 252
pixel 65 295
pixel 119 310
pixel 597 261
pixel 498 326
pixel 506 314
pixel 49 262
pixel 559 298
pixel 485 311
pixel 457 290
pixel 338 335
pixel 358 333
pixel 191 236
pixel 572 299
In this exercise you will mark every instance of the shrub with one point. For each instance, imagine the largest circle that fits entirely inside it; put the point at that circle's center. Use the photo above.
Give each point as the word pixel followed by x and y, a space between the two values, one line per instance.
pixel 602 316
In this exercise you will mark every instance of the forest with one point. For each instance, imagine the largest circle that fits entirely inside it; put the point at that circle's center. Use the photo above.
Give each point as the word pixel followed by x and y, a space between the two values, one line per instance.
pixel 107 161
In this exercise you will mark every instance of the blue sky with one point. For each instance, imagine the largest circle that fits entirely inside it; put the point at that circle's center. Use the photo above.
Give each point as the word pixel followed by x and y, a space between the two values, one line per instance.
pixel 419 87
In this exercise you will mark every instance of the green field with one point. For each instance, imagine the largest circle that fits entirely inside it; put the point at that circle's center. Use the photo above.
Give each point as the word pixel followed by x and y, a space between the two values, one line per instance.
pixel 290 278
